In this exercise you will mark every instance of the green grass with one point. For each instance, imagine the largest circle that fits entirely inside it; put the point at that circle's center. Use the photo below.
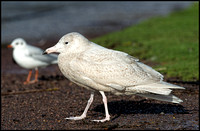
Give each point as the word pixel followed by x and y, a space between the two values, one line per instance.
pixel 171 41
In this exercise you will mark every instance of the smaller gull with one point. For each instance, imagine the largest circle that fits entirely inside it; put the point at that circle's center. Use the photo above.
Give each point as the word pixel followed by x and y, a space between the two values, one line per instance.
pixel 97 68
pixel 30 57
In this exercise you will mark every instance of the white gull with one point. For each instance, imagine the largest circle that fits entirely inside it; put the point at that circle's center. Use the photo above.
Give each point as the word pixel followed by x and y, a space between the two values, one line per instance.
pixel 30 57
pixel 105 70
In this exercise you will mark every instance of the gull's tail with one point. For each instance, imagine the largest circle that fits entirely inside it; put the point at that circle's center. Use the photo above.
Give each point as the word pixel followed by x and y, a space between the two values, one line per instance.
pixel 159 91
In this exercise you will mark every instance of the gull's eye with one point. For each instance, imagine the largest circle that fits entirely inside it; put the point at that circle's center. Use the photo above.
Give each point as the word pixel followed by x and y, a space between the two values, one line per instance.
pixel 66 42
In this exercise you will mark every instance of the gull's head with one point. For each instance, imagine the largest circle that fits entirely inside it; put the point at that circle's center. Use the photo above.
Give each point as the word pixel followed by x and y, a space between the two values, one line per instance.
pixel 70 42
pixel 17 43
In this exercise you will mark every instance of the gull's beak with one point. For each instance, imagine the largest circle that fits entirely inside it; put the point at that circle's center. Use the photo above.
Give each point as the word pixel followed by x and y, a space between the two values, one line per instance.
pixel 9 46
pixel 50 50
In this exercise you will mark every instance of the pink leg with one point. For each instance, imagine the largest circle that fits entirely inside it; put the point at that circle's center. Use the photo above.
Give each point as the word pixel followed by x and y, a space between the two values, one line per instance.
pixel 85 111
pixel 107 118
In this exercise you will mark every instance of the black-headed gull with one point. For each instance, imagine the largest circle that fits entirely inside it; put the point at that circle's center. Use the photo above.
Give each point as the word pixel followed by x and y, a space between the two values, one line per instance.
pixel 105 70
pixel 30 57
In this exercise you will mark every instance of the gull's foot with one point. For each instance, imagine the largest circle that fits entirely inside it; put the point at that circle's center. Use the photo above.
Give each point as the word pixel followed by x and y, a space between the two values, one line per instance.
pixel 30 82
pixel 26 82
pixel 75 118
pixel 103 120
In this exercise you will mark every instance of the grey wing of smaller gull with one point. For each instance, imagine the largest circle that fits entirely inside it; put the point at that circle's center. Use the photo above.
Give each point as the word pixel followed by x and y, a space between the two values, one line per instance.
pixel 36 53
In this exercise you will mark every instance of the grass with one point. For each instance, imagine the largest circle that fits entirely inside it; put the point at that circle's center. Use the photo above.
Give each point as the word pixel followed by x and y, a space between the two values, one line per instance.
pixel 171 41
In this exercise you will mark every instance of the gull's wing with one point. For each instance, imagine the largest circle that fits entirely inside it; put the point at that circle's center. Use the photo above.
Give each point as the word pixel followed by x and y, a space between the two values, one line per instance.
pixel 36 53
pixel 113 68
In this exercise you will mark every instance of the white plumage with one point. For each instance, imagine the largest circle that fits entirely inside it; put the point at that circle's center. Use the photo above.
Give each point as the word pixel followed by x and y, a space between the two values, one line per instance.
pixel 100 69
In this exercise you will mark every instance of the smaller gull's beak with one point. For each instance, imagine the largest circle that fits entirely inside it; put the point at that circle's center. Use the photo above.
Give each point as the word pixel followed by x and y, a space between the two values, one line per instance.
pixel 9 46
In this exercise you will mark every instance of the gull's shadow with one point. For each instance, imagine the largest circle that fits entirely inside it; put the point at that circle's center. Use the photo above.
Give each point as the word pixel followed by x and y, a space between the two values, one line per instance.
pixel 140 107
